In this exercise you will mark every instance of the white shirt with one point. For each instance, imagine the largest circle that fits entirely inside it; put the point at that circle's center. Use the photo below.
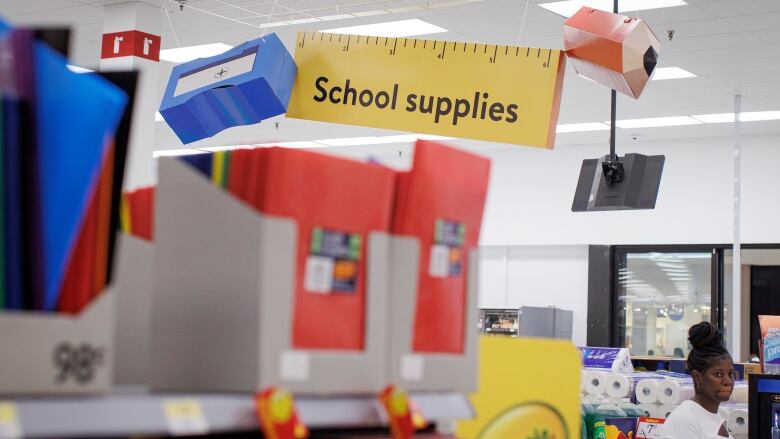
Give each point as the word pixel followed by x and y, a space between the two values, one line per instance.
pixel 692 421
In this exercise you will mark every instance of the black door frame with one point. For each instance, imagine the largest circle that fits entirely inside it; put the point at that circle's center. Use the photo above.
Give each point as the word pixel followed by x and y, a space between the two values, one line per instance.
pixel 620 253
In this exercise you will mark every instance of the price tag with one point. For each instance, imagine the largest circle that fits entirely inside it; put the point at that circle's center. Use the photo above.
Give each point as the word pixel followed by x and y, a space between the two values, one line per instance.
pixel 184 417
pixel 649 428
pixel 9 421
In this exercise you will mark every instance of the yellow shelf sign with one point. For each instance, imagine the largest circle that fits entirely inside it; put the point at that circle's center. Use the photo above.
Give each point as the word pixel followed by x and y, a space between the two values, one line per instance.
pixel 528 388
pixel 507 94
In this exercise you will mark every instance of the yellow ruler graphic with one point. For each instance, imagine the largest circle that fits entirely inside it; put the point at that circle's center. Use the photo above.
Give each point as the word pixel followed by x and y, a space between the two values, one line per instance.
pixel 507 94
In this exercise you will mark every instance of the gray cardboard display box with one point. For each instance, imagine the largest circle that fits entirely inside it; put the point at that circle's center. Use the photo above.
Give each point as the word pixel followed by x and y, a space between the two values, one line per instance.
pixel 223 304
pixel 52 353
pixel 420 371
pixel 223 298
pixel 133 286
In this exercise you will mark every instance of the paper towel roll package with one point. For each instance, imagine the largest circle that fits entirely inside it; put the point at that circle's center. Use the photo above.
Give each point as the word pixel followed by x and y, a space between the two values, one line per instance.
pixel 741 392
pixel 622 385
pixel 675 391
pixel 737 421
pixel 612 359
pixel 650 409
pixel 646 391
pixel 595 382
pixel 665 410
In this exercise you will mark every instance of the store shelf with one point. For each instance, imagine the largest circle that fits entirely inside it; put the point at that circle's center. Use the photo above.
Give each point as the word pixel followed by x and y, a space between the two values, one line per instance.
pixel 138 413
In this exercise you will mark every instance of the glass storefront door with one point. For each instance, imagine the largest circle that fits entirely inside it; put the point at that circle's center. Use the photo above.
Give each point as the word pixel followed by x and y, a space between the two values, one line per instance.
pixel 659 296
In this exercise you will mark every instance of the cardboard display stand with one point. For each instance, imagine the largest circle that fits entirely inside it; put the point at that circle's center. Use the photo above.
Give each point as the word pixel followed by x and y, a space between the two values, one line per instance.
pixel 415 371
pixel 223 298
pixel 50 353
pixel 133 286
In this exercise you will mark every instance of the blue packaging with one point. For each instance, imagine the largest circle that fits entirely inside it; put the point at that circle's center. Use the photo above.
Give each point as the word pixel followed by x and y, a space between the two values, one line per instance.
pixel 243 86
pixel 614 359
pixel 772 351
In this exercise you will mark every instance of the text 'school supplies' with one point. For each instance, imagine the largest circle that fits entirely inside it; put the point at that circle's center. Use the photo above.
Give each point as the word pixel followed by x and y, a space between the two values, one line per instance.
pixel 440 202
pixel 507 94
pixel 335 203
pixel 58 173
pixel 242 86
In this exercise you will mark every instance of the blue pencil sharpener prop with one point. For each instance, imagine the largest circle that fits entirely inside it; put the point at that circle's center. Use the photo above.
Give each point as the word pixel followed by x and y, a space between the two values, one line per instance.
pixel 242 86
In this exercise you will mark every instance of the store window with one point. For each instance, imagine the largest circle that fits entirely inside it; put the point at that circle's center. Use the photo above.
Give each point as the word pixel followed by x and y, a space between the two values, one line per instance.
pixel 659 296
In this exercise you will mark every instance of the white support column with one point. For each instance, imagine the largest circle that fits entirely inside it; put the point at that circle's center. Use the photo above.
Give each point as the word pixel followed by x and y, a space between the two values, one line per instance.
pixel 131 41
pixel 736 279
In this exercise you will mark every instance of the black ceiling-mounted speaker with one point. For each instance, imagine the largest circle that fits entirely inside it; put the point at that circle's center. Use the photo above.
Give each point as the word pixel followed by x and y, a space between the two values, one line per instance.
pixel 638 188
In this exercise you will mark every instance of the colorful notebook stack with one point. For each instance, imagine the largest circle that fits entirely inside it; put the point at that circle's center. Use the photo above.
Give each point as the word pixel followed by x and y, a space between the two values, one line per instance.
pixel 59 177
pixel 440 201
pixel 336 203
pixel 136 213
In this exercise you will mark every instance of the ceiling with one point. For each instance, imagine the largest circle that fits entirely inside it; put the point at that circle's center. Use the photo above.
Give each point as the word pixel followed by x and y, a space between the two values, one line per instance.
pixel 732 45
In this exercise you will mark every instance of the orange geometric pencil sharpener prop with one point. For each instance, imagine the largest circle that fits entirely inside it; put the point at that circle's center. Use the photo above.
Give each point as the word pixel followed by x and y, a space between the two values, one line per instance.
pixel 614 50
pixel 277 415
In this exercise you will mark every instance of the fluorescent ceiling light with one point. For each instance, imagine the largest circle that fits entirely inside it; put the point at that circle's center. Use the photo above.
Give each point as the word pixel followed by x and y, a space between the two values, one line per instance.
pixel 663 73
pixel 225 148
pixel 651 122
pixel 401 28
pixel 578 127
pixel 304 144
pixel 570 7
pixel 379 140
pixel 77 69
pixel 176 152
pixel 189 53
pixel 749 116
pixel 158 117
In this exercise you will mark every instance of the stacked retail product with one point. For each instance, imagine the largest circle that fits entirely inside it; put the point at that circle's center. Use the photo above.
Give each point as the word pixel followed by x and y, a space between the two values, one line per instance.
pixel 656 394
pixel 59 180
pixel 364 275
pixel 136 213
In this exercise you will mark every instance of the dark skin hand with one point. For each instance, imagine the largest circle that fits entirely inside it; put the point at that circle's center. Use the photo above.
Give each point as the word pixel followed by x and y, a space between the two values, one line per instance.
pixel 714 386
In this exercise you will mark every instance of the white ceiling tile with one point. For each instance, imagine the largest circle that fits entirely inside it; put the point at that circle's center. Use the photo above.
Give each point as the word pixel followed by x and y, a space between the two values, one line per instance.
pixel 11 8
pixel 733 8
pixel 756 21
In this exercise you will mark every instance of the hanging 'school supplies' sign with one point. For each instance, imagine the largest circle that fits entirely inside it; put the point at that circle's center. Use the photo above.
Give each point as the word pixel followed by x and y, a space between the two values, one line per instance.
pixel 507 94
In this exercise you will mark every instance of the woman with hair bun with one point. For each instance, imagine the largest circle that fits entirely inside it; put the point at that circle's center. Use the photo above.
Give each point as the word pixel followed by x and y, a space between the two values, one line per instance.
pixel 712 370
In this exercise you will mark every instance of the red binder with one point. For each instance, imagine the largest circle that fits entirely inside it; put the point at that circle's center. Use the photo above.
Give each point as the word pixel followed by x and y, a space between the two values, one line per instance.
pixel 336 203
pixel 440 201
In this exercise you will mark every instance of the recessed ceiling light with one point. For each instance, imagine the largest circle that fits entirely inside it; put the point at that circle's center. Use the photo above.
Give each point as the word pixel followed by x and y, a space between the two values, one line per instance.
pixel 570 7
pixel 748 116
pixel 663 73
pixel 189 53
pixel 176 152
pixel 579 127
pixel 651 122
pixel 401 28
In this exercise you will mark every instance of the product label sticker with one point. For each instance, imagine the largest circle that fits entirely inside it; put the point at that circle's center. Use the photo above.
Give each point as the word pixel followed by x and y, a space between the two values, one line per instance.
pixel 649 428
pixel 333 262
pixel 9 421
pixel 294 366
pixel 184 417
pixel 412 367
pixel 447 250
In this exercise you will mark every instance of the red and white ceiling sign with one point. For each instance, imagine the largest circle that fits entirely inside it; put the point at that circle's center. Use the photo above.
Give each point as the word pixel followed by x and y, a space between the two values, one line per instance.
pixel 131 43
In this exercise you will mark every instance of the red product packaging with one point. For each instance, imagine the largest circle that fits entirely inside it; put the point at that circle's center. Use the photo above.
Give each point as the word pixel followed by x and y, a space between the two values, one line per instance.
pixel 335 203
pixel 440 202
